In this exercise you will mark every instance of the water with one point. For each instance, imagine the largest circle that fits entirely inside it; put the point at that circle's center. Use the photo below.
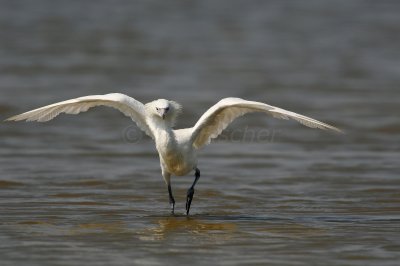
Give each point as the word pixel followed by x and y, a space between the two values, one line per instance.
pixel 87 189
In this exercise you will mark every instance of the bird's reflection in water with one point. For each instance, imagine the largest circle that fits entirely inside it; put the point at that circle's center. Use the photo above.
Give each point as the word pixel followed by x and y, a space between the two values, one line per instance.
pixel 174 225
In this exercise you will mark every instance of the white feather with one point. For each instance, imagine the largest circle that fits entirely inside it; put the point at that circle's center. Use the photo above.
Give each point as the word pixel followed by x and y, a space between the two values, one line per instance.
pixel 127 105
pixel 218 117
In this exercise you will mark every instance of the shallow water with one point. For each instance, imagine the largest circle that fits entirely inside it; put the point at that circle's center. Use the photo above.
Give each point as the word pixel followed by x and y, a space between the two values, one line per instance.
pixel 88 190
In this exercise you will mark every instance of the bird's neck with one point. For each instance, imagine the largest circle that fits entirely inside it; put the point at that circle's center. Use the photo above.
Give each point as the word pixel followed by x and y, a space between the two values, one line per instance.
pixel 163 134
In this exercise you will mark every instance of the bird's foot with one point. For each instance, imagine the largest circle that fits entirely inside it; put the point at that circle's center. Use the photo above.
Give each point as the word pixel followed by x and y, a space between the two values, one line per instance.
pixel 172 204
pixel 189 199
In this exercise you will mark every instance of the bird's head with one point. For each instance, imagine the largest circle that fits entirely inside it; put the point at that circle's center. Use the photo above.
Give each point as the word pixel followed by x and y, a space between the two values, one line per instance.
pixel 164 109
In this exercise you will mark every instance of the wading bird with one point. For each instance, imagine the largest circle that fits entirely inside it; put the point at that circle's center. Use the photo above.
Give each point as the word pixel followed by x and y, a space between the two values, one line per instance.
pixel 177 148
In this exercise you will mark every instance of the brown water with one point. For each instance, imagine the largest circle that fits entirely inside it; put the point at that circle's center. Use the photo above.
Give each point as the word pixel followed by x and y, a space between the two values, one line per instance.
pixel 87 189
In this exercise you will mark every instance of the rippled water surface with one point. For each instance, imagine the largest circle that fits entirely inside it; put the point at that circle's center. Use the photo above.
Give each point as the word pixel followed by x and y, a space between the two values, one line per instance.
pixel 87 189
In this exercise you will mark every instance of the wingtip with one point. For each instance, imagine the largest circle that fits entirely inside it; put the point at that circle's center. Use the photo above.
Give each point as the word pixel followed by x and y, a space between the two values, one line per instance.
pixel 14 118
pixel 337 130
pixel 9 119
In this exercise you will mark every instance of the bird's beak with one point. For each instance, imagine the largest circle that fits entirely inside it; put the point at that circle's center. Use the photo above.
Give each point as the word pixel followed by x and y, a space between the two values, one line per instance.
pixel 163 112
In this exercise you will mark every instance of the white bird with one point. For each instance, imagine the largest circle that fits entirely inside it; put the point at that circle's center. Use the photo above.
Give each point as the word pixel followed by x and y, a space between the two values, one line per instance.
pixel 177 148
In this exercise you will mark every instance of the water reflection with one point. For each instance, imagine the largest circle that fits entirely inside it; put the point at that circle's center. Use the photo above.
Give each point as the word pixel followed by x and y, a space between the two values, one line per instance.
pixel 170 226
pixel 9 184
pixel 117 227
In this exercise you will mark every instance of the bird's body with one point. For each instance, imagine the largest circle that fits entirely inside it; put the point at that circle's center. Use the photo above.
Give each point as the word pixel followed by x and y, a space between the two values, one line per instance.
pixel 177 148
pixel 177 154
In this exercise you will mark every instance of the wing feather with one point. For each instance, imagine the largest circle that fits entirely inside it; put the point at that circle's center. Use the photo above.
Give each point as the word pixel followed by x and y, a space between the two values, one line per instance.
pixel 127 105
pixel 218 117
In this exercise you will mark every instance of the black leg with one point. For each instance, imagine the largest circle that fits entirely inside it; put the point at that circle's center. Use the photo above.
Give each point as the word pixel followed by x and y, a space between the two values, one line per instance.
pixel 190 191
pixel 171 199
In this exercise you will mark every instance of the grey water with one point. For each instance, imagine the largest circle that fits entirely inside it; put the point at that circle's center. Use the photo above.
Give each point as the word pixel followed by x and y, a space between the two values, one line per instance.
pixel 87 189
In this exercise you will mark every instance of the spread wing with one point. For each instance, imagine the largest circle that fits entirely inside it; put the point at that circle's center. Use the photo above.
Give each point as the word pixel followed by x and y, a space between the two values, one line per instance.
pixel 219 116
pixel 127 105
